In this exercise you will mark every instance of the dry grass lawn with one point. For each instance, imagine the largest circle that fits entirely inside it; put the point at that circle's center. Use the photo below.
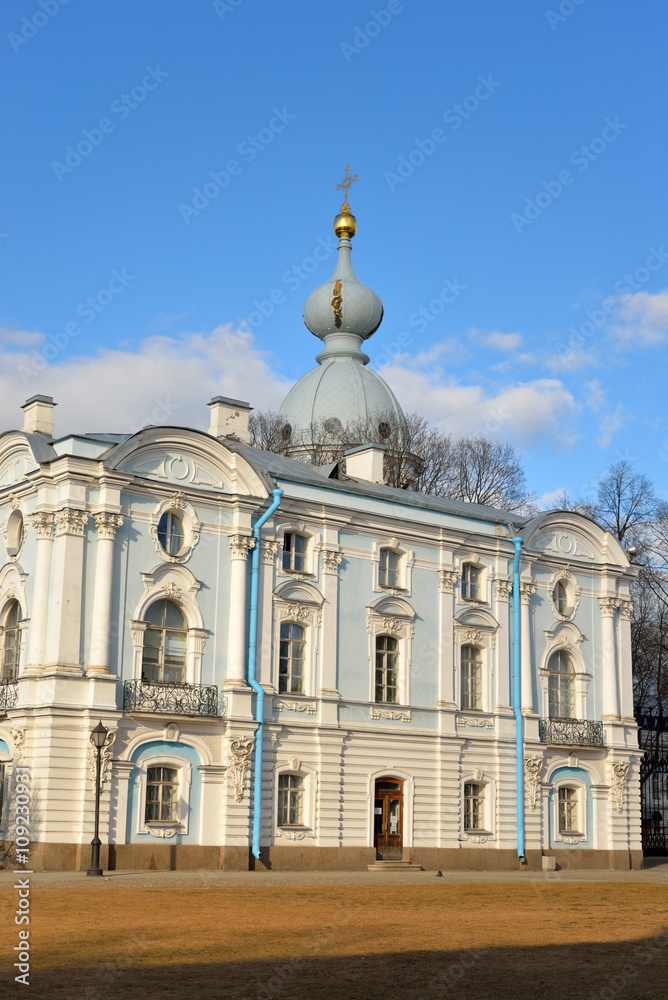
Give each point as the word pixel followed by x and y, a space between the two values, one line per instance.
pixel 492 941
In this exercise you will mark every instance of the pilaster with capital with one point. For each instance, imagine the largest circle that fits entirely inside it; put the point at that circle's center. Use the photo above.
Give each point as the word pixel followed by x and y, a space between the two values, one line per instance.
pixel 107 524
pixel 527 591
pixel 43 523
pixel 609 607
pixel 331 560
pixel 240 546
pixel 63 643
pixel 269 548
pixel 625 667
pixel 502 590
pixel 447 697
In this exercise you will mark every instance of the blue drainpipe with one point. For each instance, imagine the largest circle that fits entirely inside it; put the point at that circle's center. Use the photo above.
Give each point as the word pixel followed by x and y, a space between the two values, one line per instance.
pixel 517 699
pixel 252 655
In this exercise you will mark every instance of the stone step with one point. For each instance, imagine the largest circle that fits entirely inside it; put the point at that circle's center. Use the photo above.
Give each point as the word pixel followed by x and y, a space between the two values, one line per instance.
pixel 394 866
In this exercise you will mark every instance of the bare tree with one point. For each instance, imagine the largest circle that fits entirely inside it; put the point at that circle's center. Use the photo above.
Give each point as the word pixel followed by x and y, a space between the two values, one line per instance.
pixel 418 457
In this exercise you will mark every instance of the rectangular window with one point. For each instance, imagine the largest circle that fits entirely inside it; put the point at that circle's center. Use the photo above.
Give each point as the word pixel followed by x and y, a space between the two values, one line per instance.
pixel 290 800
pixel 474 806
pixel 388 571
pixel 161 794
pixel 387 662
pixel 294 552
pixel 291 659
pixel 471 662
pixel 568 810
pixel 470 582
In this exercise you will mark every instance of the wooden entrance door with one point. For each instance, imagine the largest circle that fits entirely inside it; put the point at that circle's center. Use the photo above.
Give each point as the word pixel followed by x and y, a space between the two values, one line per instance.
pixel 388 820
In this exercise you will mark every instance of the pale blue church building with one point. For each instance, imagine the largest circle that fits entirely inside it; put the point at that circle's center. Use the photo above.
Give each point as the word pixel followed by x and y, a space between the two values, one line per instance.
pixel 298 665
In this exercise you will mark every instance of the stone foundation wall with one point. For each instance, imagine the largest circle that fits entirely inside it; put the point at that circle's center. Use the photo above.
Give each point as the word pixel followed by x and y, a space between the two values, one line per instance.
pixel 186 857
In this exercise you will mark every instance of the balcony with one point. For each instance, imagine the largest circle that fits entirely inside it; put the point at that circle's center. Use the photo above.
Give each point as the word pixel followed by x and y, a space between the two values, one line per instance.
pixel 9 694
pixel 571 732
pixel 170 698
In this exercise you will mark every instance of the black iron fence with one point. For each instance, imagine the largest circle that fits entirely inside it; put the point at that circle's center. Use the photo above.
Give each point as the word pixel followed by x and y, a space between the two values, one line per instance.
pixel 571 732
pixel 653 739
pixel 9 694
pixel 170 698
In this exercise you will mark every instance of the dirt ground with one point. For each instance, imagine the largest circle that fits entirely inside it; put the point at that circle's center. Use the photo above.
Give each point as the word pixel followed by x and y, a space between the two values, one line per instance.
pixel 435 940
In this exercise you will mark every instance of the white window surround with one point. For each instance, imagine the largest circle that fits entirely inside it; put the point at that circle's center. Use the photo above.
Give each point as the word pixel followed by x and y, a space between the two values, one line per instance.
pixel 486 571
pixel 13 588
pixel 582 799
pixel 184 777
pixel 391 616
pixel 313 546
pixel 565 638
pixel 299 603
pixel 306 830
pixel 15 528
pixel 406 563
pixel 177 504
pixel 573 592
pixel 476 628
pixel 393 773
pixel 488 830
pixel 172 583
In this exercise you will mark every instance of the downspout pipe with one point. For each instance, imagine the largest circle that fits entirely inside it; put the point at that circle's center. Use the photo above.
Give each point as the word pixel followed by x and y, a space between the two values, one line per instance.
pixel 252 659
pixel 517 700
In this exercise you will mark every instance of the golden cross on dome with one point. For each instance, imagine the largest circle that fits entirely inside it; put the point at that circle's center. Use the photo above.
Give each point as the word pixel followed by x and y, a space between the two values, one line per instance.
pixel 345 185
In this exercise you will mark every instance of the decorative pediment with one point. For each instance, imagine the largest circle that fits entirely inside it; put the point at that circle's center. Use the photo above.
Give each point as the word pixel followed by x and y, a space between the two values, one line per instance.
pixel 15 466
pixel 187 459
pixel 564 543
pixel 569 537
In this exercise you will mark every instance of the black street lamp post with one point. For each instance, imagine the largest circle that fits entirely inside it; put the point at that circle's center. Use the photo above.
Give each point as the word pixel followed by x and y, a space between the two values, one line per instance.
pixel 98 738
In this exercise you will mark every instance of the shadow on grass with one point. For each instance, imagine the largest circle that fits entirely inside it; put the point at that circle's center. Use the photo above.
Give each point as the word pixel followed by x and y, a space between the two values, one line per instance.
pixel 623 970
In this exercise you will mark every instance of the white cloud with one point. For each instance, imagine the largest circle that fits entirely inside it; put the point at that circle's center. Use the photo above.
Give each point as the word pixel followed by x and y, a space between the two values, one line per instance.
pixel 525 414
pixel 646 315
pixel 496 340
pixel 609 425
pixel 548 500
pixel 165 380
pixel 595 398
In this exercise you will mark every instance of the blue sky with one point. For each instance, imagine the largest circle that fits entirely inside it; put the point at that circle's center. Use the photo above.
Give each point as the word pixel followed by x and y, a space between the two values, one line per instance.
pixel 513 152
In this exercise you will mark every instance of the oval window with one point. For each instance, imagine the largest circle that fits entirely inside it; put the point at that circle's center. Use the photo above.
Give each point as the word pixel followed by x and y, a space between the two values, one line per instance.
pixel 561 601
pixel 15 533
pixel 384 429
pixel 286 432
pixel 333 425
pixel 170 533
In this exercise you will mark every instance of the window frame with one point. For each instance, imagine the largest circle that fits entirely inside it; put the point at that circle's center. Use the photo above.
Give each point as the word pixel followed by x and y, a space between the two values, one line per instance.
pixel 385 654
pixel 487 830
pixel 405 562
pixel 570 674
pixel 479 797
pixel 285 806
pixel 183 768
pixel 164 629
pixel 479 662
pixel 293 553
pixel 293 641
pixel 395 617
pixel 18 629
pixel 171 515
pixel 581 789
pixel 161 784
pixel 307 828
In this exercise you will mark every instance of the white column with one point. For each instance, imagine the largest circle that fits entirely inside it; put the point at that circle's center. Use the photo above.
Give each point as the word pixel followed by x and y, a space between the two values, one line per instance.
pixel 625 663
pixel 502 590
pixel 527 590
pixel 63 642
pixel 447 696
pixel 268 551
pixel 107 525
pixel 331 560
pixel 609 670
pixel 240 546
pixel 43 524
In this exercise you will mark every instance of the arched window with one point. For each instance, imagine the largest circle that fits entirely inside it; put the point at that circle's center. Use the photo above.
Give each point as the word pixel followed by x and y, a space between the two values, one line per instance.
pixel 474 806
pixel 291 658
pixel 170 533
pixel 162 789
pixel 165 642
pixel 11 641
pixel 568 810
pixel 471 662
pixel 386 668
pixel 560 686
pixel 290 800
pixel 388 568
pixel 470 582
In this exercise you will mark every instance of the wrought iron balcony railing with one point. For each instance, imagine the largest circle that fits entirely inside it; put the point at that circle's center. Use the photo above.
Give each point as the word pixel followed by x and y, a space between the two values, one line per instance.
pixel 571 732
pixel 170 698
pixel 9 694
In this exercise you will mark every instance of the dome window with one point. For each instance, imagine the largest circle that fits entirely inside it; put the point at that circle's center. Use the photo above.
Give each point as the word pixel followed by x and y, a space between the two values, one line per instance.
pixel 333 425
pixel 384 430
pixel 286 432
